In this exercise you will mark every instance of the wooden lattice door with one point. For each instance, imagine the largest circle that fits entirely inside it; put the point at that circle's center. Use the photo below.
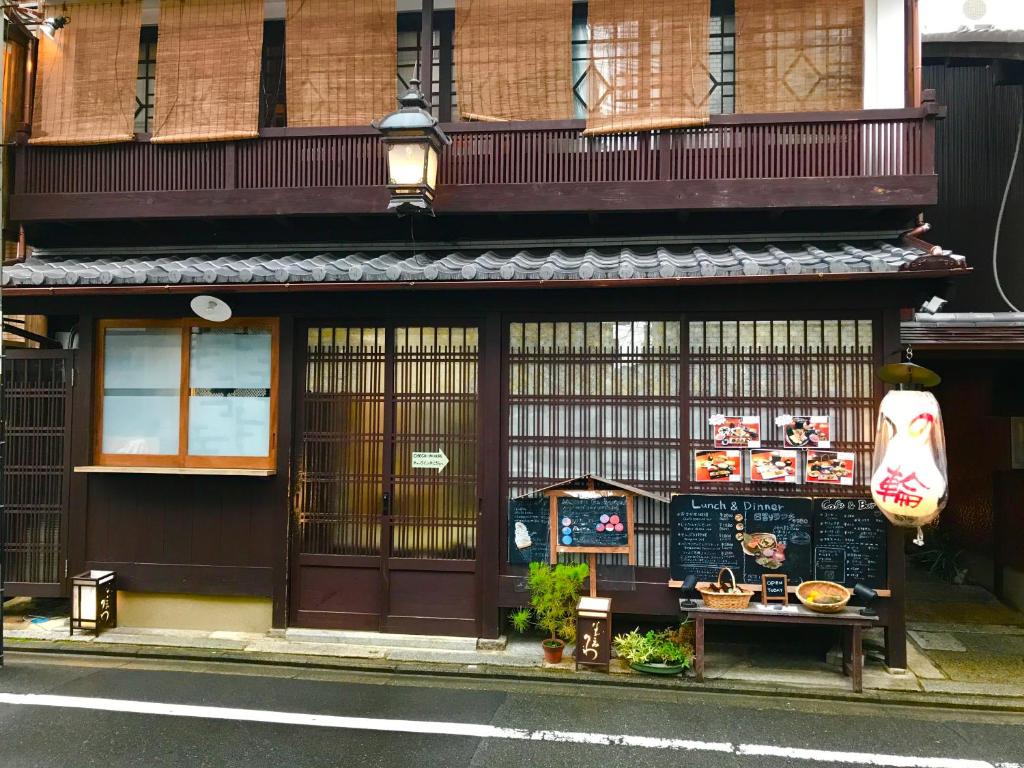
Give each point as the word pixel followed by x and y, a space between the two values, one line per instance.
pixel 37 420
pixel 382 541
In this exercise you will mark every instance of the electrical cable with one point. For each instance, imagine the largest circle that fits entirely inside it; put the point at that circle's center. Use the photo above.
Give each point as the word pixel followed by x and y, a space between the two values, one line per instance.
pixel 1002 210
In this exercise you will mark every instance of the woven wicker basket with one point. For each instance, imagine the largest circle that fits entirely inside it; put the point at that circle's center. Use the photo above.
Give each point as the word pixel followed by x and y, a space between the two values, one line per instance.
pixel 828 588
pixel 726 602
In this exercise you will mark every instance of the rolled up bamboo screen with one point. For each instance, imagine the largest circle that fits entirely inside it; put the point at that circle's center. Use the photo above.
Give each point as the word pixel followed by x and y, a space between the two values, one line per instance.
pixel 85 82
pixel 208 70
pixel 648 65
pixel 341 60
pixel 513 59
pixel 799 55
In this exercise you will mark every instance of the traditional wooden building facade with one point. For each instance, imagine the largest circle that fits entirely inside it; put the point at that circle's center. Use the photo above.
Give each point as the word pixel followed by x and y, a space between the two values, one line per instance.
pixel 621 249
pixel 976 342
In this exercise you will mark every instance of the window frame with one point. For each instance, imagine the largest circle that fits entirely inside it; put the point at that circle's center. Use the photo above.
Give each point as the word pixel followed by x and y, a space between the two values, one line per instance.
pixel 183 460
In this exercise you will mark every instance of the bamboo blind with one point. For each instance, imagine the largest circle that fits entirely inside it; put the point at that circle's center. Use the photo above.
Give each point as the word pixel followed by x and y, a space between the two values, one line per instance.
pixel 341 60
pixel 208 70
pixel 14 88
pixel 513 59
pixel 799 55
pixel 85 89
pixel 649 65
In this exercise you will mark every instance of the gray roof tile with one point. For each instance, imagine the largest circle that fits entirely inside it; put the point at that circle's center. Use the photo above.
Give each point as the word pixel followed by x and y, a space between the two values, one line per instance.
pixel 787 255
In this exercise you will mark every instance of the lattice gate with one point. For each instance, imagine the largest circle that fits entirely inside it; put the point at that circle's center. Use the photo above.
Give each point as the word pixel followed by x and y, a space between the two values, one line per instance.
pixel 380 541
pixel 37 416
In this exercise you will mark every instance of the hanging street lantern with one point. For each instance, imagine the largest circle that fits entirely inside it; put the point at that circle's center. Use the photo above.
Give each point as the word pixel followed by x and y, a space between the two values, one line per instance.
pixel 413 140
pixel 908 478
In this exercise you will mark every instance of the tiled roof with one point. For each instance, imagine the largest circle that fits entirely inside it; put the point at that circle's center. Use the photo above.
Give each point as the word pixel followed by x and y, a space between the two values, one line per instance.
pixel 982 33
pixel 965 330
pixel 792 255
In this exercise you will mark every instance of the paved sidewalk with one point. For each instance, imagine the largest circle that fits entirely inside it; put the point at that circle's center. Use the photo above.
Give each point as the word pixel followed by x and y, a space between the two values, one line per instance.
pixel 963 645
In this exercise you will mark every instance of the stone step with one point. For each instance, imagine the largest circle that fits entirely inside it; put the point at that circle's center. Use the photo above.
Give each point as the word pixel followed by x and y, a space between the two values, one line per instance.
pixel 380 639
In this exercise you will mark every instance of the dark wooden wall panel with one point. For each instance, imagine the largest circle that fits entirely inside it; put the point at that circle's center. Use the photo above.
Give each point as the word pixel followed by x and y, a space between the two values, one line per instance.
pixel 974 148
pixel 182 521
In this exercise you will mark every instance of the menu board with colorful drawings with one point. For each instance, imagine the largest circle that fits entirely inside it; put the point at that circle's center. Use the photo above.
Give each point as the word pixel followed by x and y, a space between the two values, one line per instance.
pixel 598 523
pixel 752 535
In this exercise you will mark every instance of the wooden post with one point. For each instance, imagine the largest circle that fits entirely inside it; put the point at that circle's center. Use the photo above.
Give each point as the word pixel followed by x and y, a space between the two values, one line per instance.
pixel 592 557
pixel 912 33
pixel 427 49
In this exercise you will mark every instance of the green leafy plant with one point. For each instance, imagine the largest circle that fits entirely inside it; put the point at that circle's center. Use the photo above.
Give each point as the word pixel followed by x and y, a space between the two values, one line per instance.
pixel 520 619
pixel 554 593
pixel 941 556
pixel 653 648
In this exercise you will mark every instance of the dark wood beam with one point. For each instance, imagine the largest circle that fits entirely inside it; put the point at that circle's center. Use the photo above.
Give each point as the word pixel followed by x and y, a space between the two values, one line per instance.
pixel 737 194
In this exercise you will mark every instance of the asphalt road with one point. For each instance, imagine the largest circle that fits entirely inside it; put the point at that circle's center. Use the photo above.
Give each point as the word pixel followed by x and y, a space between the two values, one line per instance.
pixel 74 711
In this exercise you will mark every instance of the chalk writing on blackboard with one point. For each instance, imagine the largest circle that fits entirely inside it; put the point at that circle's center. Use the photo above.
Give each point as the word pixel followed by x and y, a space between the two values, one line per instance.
pixel 752 535
pixel 593 522
pixel 529 539
pixel 850 537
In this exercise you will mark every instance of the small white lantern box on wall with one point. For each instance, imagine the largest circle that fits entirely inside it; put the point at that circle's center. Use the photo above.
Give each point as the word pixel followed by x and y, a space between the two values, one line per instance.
pixel 94 601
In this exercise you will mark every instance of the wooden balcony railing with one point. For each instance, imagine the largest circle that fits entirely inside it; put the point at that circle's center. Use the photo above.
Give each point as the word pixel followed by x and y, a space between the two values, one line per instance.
pixel 873 157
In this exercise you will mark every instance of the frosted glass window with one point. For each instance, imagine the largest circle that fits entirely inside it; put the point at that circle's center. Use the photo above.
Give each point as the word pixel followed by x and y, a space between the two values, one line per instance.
pixel 141 390
pixel 229 392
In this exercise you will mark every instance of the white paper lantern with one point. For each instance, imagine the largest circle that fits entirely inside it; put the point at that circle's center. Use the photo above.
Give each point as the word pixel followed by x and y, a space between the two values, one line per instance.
pixel 908 479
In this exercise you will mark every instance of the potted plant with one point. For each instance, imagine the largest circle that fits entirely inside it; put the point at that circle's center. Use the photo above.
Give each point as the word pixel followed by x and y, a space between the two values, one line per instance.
pixel 554 593
pixel 656 653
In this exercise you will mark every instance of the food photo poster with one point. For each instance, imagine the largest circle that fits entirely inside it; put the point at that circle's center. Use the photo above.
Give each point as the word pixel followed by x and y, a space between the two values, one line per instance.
pixel 805 431
pixel 736 431
pixel 774 466
pixel 719 466
pixel 829 467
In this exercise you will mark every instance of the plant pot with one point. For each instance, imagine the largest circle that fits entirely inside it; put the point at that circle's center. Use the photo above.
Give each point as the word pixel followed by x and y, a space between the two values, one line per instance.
pixel 658 668
pixel 553 650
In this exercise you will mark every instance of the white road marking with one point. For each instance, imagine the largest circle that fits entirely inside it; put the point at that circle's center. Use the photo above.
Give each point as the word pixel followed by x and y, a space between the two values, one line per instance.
pixel 481 731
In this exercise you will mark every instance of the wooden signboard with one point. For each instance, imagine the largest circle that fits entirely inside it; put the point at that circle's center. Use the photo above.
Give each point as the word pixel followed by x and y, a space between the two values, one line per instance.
pixel 774 588
pixel 594 632
pixel 593 522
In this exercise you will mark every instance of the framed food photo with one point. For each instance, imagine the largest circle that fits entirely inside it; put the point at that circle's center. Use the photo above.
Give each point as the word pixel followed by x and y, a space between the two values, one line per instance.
pixel 774 466
pixel 806 431
pixel 829 468
pixel 719 466
pixel 737 431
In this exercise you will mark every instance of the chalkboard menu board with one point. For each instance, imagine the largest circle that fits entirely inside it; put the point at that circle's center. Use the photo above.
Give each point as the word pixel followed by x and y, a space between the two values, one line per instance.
pixel 752 535
pixel 529 536
pixel 593 522
pixel 850 542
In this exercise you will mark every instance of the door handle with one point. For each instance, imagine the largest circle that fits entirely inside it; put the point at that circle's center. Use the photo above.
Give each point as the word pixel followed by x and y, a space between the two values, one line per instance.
pixel 387 504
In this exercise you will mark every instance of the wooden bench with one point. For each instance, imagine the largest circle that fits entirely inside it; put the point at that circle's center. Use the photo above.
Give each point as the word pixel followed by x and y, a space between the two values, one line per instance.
pixel 850 620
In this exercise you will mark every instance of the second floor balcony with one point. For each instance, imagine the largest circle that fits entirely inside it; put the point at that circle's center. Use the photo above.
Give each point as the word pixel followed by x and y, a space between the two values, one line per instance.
pixel 805 145
pixel 855 159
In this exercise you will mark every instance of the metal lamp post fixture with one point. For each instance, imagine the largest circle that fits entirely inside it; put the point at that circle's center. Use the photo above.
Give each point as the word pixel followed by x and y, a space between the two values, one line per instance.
pixel 413 139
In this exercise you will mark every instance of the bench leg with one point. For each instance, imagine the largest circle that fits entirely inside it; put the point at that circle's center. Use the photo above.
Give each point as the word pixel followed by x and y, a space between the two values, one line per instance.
pixel 858 659
pixel 847 643
pixel 699 648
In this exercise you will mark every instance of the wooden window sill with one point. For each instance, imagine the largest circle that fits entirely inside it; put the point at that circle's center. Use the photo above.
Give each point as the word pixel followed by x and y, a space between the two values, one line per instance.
pixel 99 470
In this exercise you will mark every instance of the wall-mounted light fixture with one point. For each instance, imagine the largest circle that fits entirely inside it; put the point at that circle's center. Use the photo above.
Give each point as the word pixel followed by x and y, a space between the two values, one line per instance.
pixel 414 141
pixel 52 24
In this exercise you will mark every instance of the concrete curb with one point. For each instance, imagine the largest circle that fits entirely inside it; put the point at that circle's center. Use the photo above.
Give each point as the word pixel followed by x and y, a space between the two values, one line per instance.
pixel 555 676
